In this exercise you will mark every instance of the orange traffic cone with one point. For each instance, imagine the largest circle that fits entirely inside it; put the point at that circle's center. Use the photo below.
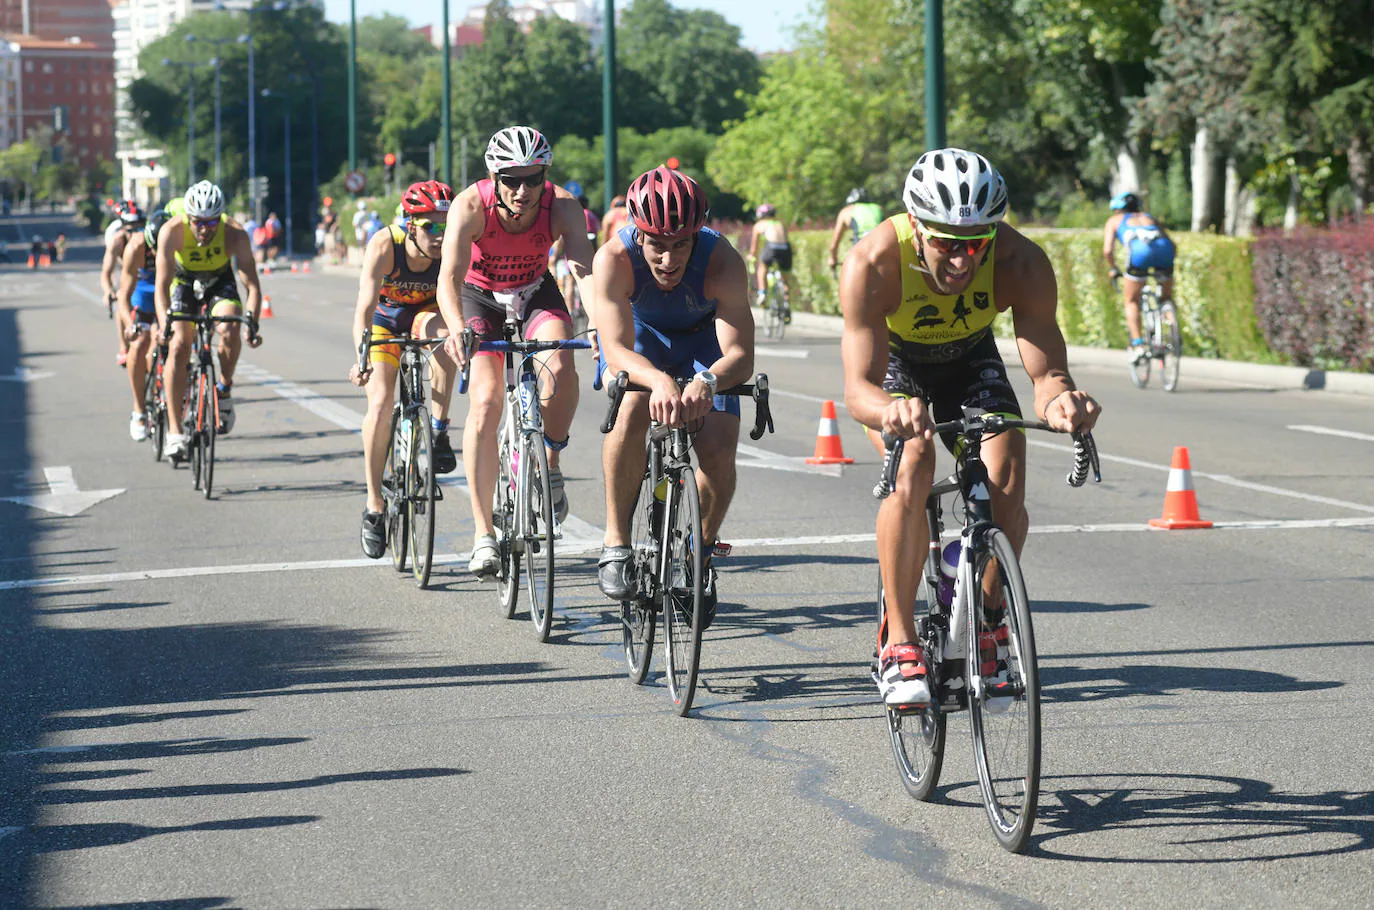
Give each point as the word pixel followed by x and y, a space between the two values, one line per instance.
pixel 267 308
pixel 828 448
pixel 1180 502
pixel 307 267
pixel 44 261
pixel 295 268
pixel 30 260
pixel 267 268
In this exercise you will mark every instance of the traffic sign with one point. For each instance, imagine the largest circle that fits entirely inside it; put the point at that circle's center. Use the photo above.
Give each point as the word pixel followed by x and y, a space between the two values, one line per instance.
pixel 257 187
pixel 355 182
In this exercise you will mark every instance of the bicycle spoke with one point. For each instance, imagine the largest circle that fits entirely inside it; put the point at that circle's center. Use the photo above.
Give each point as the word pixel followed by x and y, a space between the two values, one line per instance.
pixel 420 495
pixel 638 614
pixel 682 608
pixel 539 534
pixel 503 520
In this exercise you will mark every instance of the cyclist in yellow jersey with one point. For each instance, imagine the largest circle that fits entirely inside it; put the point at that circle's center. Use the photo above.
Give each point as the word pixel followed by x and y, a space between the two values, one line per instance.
pixel 197 255
pixel 859 216
pixel 919 295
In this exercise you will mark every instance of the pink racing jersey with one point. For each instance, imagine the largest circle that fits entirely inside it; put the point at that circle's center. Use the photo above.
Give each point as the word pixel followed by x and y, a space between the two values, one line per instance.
pixel 502 260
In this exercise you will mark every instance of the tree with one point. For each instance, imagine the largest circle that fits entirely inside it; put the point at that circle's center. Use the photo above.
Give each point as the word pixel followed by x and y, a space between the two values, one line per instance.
pixel 681 68
pixel 399 88
pixel 583 160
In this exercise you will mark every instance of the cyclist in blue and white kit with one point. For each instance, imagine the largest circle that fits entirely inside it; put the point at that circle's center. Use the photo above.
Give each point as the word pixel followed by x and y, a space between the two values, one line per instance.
pixel 137 312
pixel 1149 247
pixel 672 300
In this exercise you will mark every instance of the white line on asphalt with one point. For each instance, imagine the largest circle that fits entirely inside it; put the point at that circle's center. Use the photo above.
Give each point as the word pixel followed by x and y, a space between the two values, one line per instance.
pixel 1221 478
pixel 585 541
pixel 317 404
pixel 790 353
pixel 1328 431
pixel 84 291
pixel 839 401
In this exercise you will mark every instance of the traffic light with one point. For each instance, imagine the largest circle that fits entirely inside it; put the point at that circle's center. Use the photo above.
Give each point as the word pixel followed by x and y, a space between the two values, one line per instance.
pixel 389 160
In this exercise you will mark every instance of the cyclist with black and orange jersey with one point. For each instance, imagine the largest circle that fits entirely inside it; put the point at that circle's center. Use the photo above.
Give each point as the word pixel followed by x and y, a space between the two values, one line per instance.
pixel 197 254
pixel 919 295
pixel 396 296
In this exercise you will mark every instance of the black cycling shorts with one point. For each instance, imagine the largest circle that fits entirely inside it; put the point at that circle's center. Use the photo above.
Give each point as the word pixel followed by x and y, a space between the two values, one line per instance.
pixel 978 380
pixel 486 316
pixel 186 302
pixel 779 254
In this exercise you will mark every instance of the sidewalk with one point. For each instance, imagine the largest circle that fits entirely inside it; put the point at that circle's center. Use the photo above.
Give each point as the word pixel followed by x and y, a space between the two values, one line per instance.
pixel 1256 374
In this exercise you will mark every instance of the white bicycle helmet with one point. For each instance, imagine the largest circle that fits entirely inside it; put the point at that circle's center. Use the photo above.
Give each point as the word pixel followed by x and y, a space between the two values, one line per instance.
pixel 518 146
pixel 204 200
pixel 955 187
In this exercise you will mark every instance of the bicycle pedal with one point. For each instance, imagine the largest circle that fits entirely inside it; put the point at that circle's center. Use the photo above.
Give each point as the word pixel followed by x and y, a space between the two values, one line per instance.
pixel 721 549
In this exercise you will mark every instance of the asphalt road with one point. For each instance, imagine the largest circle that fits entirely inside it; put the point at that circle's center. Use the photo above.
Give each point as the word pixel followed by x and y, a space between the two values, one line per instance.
pixel 223 704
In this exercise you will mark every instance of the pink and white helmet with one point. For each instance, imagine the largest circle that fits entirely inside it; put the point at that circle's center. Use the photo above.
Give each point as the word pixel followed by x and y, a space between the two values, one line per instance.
pixel 518 146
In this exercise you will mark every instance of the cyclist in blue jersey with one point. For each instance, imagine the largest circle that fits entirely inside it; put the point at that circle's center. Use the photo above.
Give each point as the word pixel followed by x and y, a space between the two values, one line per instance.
pixel 672 300
pixel 1149 247
pixel 137 312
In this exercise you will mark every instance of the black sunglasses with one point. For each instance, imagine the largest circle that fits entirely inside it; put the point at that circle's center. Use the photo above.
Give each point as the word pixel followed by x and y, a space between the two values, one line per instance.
pixel 514 183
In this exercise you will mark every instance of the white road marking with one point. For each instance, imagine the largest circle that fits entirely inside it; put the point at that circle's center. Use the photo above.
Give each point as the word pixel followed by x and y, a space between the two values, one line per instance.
pixel 789 353
pixel 1328 431
pixel 26 374
pixel 63 497
pixel 585 542
pixel 325 408
pixel 77 287
pixel 839 403
pixel 1220 478
pixel 761 458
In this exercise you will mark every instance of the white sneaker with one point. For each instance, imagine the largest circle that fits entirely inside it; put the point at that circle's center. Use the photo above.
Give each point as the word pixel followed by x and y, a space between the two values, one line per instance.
pixel 176 446
pixel 138 427
pixel 486 558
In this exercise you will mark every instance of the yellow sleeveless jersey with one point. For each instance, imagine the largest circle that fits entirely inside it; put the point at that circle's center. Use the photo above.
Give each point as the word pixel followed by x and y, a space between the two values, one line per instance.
pixel 927 320
pixel 196 261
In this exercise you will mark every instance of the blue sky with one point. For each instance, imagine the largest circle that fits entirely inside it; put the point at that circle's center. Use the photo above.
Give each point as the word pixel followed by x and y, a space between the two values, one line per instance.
pixel 765 23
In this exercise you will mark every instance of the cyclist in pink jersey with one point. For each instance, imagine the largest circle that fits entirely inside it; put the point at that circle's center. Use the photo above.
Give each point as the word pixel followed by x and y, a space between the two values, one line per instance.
pixel 496 266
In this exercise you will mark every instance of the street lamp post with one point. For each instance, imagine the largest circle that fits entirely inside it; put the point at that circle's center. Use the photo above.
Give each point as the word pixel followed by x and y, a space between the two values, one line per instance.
pixel 247 38
pixel 216 61
pixel 268 93
pixel 190 115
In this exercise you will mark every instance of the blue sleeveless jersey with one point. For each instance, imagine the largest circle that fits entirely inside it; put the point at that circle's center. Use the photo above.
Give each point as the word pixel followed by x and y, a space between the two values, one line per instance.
pixel 683 309
pixel 1147 247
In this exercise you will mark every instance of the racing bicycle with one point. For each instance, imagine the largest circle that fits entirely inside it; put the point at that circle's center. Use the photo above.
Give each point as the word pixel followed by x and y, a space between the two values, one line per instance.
pixel 777 306
pixel 200 407
pixel 669 554
pixel 1159 327
pixel 409 488
pixel 523 509
pixel 967 666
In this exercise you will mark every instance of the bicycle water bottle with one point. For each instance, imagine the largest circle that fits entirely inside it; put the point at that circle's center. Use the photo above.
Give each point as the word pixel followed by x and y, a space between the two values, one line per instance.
pixel 660 497
pixel 949 572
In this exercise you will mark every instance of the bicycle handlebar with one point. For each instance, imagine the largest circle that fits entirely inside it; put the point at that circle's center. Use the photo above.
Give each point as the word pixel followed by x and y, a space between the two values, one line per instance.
pixel 1084 448
pixel 404 341
pixel 504 346
pixel 757 390
pixel 210 318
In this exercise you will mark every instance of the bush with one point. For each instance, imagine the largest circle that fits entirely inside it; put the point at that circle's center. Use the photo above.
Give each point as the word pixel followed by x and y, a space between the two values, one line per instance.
pixel 1315 295
pixel 1212 287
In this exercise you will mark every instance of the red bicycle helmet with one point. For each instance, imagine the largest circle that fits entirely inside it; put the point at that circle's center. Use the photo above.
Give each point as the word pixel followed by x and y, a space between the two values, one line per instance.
pixel 429 196
pixel 129 212
pixel 667 203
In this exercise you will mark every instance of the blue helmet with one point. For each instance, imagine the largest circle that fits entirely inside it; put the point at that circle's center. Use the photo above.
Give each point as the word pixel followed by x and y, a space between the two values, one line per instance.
pixel 1128 202
pixel 572 186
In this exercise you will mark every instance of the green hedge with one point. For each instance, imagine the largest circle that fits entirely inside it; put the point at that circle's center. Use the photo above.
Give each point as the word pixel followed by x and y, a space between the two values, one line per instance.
pixel 1213 288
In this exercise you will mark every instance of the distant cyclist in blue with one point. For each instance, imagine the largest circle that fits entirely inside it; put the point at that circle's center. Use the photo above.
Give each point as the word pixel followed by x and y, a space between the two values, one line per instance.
pixel 672 300
pixel 1149 247
pixel 139 315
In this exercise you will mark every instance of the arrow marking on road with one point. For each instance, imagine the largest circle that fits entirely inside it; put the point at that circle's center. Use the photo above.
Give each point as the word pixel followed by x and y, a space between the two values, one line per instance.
pixel 25 374
pixel 63 497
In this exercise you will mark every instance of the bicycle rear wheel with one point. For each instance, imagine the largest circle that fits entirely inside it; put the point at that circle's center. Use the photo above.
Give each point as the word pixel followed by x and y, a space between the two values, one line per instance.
pixel 190 425
pixel 682 609
pixel 1004 703
pixel 503 520
pixel 420 495
pixel 1171 346
pixel 918 736
pixel 539 532
pixel 393 491
pixel 639 613
pixel 155 421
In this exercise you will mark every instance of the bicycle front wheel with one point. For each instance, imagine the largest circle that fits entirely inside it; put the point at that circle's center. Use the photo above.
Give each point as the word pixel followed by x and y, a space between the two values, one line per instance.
pixel 393 491
pixel 210 430
pixel 1004 697
pixel 918 735
pixel 682 608
pixel 538 533
pixel 503 520
pixel 1171 346
pixel 638 614
pixel 155 421
pixel 191 426
pixel 420 495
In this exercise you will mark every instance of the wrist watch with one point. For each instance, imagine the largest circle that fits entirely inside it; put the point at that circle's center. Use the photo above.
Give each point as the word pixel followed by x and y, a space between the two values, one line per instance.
pixel 709 379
